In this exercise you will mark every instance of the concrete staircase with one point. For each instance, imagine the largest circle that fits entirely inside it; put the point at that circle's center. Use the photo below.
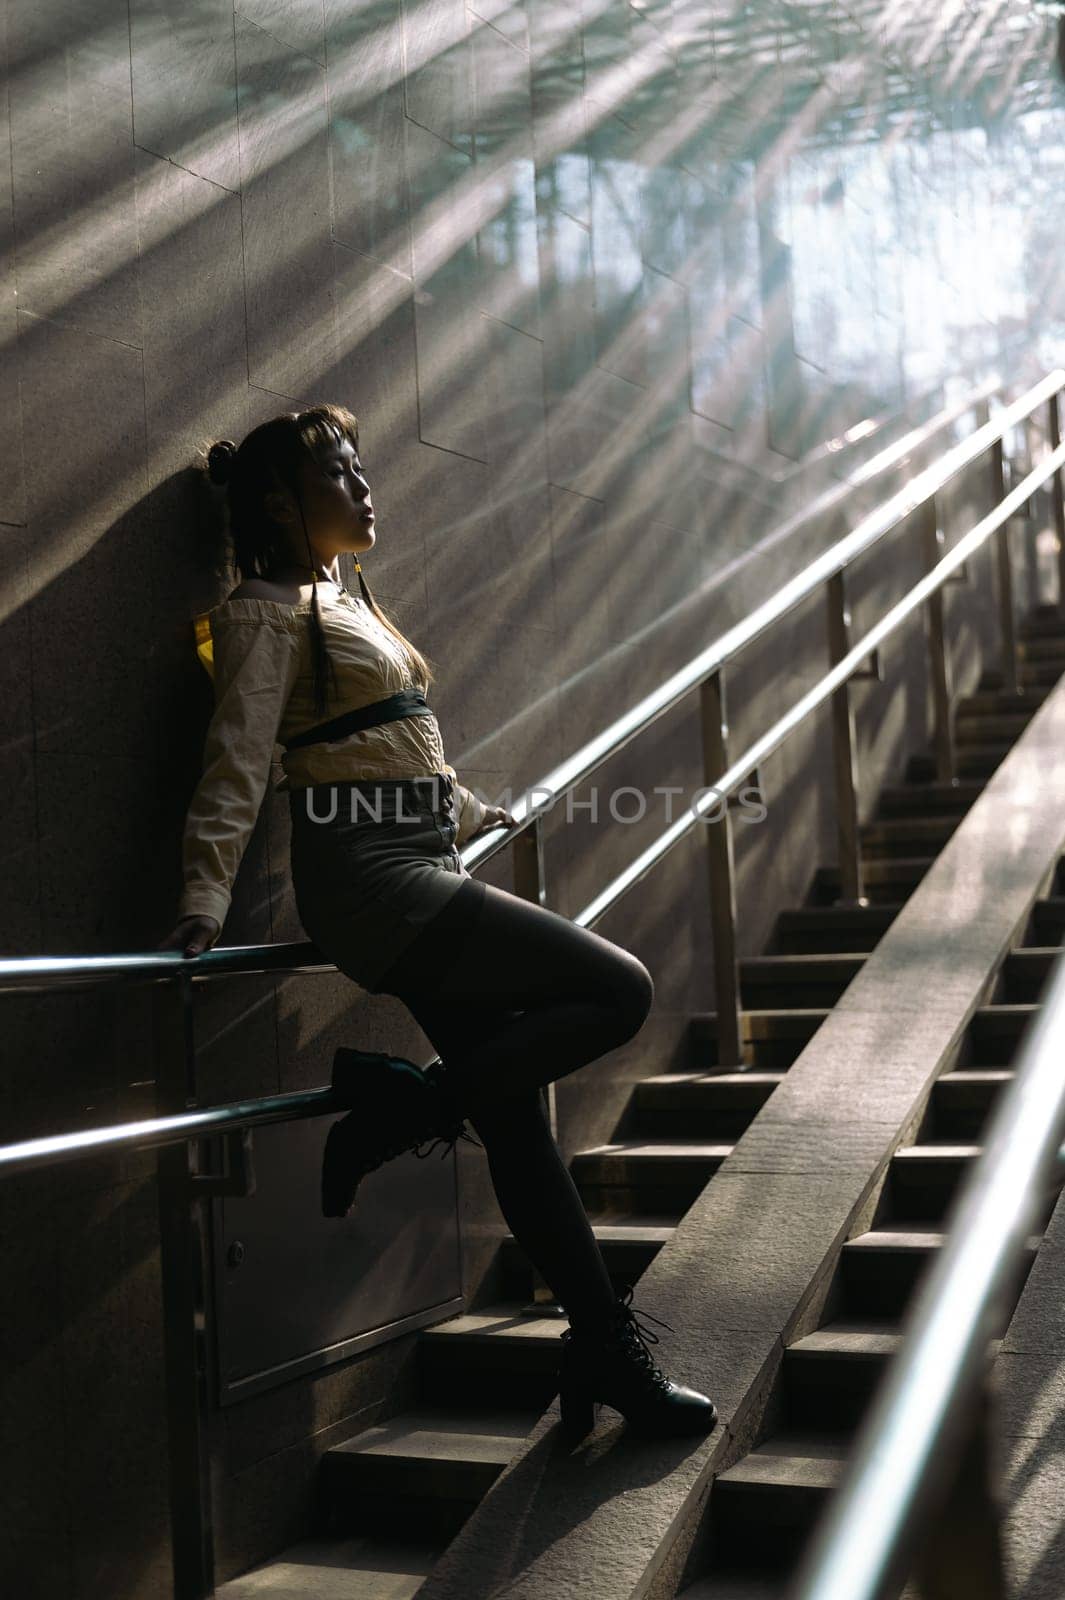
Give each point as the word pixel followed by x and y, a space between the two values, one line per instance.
pixel 394 1495
pixel 763 1509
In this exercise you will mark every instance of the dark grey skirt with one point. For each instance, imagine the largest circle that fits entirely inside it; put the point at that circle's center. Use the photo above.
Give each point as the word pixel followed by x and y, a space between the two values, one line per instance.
pixel 369 889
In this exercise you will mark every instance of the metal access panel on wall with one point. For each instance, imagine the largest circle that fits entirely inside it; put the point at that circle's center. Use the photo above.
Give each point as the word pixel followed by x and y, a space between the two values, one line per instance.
pixel 296 1292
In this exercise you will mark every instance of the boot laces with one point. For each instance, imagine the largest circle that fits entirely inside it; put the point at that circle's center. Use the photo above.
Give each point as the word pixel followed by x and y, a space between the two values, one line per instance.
pixel 637 1338
pixel 448 1140
pixel 437 1075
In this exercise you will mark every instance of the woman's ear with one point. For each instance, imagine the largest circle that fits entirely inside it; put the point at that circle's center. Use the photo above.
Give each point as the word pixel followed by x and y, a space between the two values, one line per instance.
pixel 279 507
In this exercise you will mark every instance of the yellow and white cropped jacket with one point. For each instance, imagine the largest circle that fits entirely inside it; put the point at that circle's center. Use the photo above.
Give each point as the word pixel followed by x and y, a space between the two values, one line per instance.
pixel 258 653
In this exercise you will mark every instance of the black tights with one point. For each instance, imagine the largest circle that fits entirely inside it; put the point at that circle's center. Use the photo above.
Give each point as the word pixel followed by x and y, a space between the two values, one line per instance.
pixel 529 998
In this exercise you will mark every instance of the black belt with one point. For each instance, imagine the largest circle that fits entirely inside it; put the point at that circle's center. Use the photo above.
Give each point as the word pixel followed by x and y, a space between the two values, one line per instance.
pixel 404 703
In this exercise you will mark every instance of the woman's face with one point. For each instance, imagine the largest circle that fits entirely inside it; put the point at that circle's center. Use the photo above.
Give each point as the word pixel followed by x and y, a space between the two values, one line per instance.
pixel 336 501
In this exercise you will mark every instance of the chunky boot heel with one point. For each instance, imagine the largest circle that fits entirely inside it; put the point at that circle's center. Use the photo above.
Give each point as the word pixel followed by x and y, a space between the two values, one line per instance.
pixel 611 1363
pixel 395 1107
pixel 578 1412
pixel 339 1163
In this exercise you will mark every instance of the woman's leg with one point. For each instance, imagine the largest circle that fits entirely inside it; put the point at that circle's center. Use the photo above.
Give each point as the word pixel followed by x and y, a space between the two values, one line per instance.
pixel 531 998
pixel 542 1207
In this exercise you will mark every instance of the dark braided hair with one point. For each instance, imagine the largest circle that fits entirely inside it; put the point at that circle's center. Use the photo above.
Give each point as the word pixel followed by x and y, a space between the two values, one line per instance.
pixel 271 456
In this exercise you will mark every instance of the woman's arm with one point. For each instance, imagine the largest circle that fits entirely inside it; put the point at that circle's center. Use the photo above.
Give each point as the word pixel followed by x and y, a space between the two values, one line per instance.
pixel 256 662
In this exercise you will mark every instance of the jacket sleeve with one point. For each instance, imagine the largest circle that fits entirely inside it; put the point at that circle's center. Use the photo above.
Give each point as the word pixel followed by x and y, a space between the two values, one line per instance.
pixel 469 808
pixel 255 667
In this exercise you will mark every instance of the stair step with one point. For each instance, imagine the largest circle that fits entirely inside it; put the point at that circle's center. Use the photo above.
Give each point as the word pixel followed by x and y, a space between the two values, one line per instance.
pixel 1024 972
pixel 642 1172
pixel 971 1086
pixel 919 1156
pixel 434 1458
pixel 360 1568
pixel 830 1375
pixel 763 1508
pixel 906 799
pixel 494 1355
pixel 697 1089
pixel 1032 674
pixel 789 1461
pixel 970 761
pixel 923 1178
pixel 987 727
pixel 721 1585
pixel 907 835
pixel 498 1332
pixel 648 1232
pixel 995 1031
pixel 628 1243
pixel 767 1022
pixel 699 1104
pixel 771 1036
pixel 802 930
pixel 643 1156
pixel 887 879
pixel 804 980
pixel 999 700
pixel 1041 620
pixel 880 1269
pixel 1046 647
pixel 961 1100
pixel 854 1342
pixel 910 1239
pixel 1046 925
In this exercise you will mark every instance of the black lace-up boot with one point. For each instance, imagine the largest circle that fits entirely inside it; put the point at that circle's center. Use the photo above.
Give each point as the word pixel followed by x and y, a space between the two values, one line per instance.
pixel 612 1365
pixel 396 1106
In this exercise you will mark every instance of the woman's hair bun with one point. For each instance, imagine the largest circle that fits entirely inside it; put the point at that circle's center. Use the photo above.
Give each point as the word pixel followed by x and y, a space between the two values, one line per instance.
pixel 219 459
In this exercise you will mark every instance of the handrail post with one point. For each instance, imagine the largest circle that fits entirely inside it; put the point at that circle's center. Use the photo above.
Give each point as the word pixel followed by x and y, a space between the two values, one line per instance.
pixel 530 875
pixel 1057 496
pixel 722 876
pixel 1011 682
pixel 963 1553
pixel 938 663
pixel 184 1288
pixel 530 883
pixel 852 890
pixel 1025 512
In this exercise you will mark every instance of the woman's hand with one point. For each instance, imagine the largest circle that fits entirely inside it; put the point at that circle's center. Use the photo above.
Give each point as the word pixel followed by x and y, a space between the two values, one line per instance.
pixel 193 935
pixel 492 816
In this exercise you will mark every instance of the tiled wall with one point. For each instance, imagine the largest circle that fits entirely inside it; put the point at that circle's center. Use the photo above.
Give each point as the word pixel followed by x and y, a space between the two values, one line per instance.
pixel 601 279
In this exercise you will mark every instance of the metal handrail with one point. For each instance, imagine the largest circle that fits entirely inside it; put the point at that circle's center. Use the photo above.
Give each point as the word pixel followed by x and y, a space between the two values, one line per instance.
pixel 38 974
pixel 727 782
pixel 39 1152
pixel 185 1177
pixel 42 972
pixel 154 1133
pixel 870 530
pixel 913 1438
